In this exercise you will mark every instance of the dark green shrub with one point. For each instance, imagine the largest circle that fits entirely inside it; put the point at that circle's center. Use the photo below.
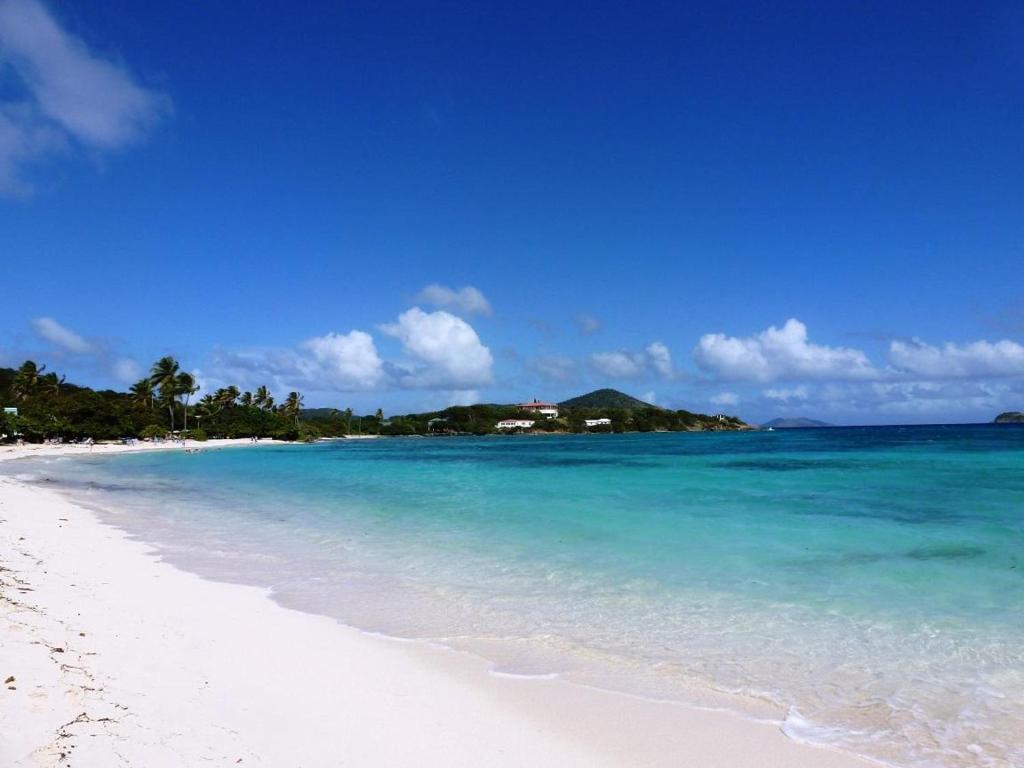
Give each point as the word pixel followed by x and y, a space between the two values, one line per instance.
pixel 152 431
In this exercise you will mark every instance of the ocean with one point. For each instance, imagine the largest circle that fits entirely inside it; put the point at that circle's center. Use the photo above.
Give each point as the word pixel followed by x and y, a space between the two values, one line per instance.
pixel 864 586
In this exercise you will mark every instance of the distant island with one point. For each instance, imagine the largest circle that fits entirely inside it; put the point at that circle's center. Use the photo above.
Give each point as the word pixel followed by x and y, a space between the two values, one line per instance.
pixel 1010 417
pixel 794 423
pixel 603 410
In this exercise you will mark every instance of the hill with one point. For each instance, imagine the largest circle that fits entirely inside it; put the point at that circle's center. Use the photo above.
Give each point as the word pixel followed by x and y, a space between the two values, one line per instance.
pixel 605 398
pixel 798 422
pixel 320 413
pixel 1010 417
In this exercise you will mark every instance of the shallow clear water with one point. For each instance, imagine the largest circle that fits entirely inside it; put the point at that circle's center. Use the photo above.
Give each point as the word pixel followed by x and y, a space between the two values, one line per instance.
pixel 866 584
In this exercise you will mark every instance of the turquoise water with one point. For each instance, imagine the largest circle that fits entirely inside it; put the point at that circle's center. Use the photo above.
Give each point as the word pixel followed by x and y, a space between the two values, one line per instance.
pixel 865 586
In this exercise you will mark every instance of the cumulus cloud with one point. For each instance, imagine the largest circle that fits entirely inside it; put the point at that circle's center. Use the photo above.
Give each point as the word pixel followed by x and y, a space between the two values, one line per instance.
pixel 784 394
pixel 725 398
pixel 61 337
pixel 126 370
pixel 619 365
pixel 278 369
pixel 938 400
pixel 97 354
pixel 660 359
pixel 655 359
pixel 779 353
pixel 334 362
pixel 463 397
pixel 976 359
pixel 67 95
pixel 934 401
pixel 443 350
pixel 466 299
pixel 349 361
pixel 587 324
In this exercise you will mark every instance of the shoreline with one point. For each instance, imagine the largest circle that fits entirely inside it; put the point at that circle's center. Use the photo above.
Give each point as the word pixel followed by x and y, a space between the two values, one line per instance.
pixel 44 451
pixel 173 669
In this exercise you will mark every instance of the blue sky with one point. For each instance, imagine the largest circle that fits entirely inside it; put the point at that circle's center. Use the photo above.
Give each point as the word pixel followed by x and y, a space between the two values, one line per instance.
pixel 764 209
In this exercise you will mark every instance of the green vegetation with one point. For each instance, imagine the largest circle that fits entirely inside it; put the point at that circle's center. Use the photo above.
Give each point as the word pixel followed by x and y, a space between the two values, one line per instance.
pixel 161 403
pixel 154 407
pixel 481 420
pixel 1010 417
pixel 606 398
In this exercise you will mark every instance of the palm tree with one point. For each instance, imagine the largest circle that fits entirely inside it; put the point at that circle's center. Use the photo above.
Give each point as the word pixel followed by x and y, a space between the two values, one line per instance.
pixel 246 399
pixel 164 375
pixel 142 392
pixel 26 380
pixel 186 385
pixel 207 406
pixel 263 399
pixel 51 383
pixel 226 396
pixel 292 405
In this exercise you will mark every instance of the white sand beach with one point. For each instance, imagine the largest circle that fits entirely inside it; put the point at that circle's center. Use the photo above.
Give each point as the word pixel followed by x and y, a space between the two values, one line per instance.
pixel 114 658
pixel 39 450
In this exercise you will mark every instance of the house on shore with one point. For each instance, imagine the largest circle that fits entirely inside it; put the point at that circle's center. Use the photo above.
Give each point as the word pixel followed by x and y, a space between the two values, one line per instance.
pixel 515 424
pixel 547 410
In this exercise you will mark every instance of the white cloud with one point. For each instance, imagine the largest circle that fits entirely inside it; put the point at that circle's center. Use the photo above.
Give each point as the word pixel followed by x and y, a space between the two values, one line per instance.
pixel 98 354
pixel 22 138
pixel 463 397
pixel 619 365
pixel 444 350
pixel 942 401
pixel 126 370
pixel 784 394
pixel 587 324
pixel 65 339
pixel 660 358
pixel 779 353
pixel 649 397
pixel 69 94
pixel 334 362
pixel 725 398
pixel 974 360
pixel 466 299
pixel 656 358
pixel 939 401
pixel 349 361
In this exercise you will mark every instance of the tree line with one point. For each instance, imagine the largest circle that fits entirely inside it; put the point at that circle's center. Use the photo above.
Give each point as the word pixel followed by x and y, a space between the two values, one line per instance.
pixel 157 405
pixel 161 404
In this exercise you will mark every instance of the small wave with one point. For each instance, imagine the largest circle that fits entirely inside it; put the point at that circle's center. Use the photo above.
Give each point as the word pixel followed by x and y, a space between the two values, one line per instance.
pixel 525 675
pixel 801 730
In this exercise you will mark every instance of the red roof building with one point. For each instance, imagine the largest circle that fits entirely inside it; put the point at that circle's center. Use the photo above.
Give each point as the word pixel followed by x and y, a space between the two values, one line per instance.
pixel 550 410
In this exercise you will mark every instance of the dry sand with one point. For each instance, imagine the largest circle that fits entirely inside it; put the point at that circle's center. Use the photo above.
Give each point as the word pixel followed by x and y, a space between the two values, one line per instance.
pixel 119 659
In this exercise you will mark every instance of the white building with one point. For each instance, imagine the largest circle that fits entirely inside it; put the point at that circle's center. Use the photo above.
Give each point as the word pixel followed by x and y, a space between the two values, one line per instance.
pixel 515 424
pixel 547 410
pixel 598 422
